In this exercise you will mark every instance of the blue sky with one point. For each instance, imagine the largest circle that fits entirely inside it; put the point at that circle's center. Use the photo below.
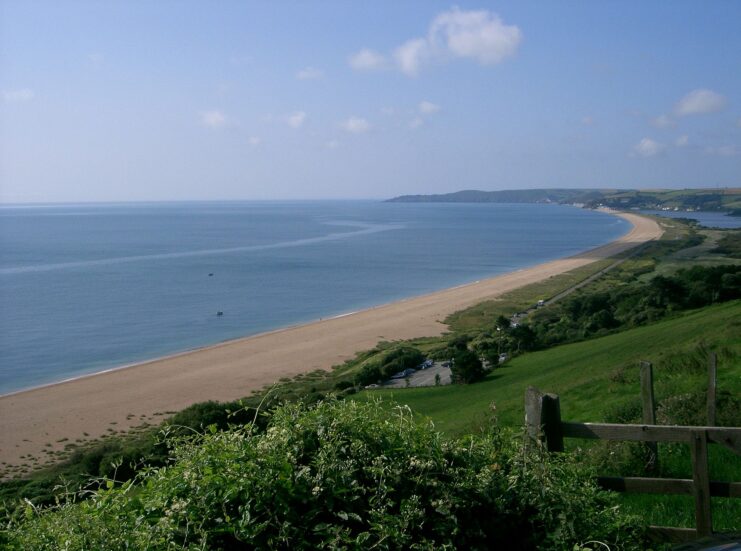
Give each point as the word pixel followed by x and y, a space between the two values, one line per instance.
pixel 144 100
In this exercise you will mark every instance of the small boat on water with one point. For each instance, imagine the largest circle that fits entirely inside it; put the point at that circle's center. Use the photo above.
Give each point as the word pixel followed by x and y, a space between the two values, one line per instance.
pixel 219 313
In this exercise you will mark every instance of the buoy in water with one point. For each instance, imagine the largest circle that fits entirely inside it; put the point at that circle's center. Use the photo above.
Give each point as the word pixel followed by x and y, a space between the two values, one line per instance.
pixel 210 275
pixel 219 313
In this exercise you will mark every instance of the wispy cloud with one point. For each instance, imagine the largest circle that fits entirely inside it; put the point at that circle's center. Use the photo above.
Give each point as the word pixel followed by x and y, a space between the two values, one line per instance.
pixel 479 35
pixel 724 150
pixel 648 148
pixel 309 73
pixel 366 60
pixel 213 119
pixel 18 96
pixel 296 119
pixel 700 102
pixel 427 107
pixel 410 56
pixel 682 141
pixel 254 141
pixel 355 125
pixel 416 122
pixel 587 121
pixel 662 121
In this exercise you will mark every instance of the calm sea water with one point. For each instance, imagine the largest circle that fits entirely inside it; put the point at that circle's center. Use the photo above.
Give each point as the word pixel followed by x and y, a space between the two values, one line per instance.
pixel 85 288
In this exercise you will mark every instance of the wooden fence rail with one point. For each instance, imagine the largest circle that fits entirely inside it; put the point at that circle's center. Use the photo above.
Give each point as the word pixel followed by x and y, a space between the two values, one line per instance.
pixel 544 425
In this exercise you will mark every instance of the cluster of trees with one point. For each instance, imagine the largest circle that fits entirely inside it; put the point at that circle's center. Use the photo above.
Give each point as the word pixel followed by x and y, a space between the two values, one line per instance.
pixel 730 244
pixel 589 314
pixel 383 366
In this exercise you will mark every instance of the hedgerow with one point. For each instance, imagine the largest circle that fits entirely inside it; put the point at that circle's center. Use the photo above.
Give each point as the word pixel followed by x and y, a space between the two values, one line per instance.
pixel 339 474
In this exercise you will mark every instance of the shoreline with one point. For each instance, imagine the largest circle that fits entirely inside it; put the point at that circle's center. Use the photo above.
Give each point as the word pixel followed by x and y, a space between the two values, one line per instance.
pixel 122 396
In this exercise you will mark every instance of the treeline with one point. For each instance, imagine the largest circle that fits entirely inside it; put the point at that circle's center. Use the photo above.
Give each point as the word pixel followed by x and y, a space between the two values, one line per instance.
pixel 589 314
pixel 382 366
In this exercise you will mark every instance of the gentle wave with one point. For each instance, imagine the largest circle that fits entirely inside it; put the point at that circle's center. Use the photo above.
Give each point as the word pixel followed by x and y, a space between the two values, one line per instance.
pixel 366 229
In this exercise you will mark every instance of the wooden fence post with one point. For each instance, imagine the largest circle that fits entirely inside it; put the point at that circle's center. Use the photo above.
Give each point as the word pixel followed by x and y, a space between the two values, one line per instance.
pixel 712 369
pixel 543 419
pixel 649 412
pixel 701 482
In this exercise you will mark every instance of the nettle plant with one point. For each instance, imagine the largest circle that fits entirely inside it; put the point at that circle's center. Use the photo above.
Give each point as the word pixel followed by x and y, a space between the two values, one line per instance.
pixel 338 474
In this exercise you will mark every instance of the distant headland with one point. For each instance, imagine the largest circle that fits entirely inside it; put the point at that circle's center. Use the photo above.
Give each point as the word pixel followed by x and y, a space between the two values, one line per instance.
pixel 709 199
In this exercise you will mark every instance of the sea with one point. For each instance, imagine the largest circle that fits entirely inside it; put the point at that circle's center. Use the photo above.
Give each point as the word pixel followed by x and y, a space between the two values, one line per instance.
pixel 89 287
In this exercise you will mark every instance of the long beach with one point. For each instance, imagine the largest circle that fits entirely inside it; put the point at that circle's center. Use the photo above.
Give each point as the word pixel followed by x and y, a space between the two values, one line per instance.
pixel 29 420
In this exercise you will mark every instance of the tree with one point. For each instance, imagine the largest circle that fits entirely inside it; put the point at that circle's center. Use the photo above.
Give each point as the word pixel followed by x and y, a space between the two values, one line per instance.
pixel 467 367
pixel 503 322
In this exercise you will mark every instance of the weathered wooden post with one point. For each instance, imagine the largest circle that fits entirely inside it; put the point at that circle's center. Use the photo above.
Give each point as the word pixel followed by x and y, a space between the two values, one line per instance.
pixel 701 482
pixel 712 369
pixel 543 419
pixel 649 412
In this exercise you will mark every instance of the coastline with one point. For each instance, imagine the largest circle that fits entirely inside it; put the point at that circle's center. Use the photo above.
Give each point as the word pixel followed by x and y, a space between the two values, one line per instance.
pixel 33 418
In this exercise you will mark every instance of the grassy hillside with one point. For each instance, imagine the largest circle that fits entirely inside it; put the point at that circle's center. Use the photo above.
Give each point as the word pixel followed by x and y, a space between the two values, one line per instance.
pixel 592 377
pixel 597 380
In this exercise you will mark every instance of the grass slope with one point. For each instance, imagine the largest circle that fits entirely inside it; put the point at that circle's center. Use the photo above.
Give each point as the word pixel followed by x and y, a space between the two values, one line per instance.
pixel 598 377
pixel 584 374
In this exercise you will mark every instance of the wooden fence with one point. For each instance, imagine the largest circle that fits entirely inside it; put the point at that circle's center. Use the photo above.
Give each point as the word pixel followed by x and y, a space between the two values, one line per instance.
pixel 544 424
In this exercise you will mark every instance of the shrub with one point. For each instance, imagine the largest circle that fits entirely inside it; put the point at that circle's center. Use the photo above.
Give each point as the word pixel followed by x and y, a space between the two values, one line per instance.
pixel 339 475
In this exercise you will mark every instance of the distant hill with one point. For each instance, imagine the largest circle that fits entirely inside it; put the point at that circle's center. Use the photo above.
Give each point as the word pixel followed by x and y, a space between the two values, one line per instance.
pixel 507 196
pixel 714 199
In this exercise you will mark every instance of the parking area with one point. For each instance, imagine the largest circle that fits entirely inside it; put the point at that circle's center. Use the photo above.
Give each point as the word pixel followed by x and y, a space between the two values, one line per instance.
pixel 422 377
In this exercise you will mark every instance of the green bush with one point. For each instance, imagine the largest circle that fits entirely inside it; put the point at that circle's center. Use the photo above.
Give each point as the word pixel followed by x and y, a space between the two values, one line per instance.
pixel 338 475
pixel 388 363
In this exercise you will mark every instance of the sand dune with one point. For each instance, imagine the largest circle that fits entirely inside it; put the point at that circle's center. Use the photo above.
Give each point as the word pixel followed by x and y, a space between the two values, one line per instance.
pixel 30 419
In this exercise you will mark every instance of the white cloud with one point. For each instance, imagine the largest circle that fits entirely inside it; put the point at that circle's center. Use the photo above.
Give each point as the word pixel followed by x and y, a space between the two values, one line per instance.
pixel 366 60
pixel 724 150
pixel 427 107
pixel 355 125
pixel 587 121
pixel 254 141
pixel 213 119
pixel 662 121
pixel 455 34
pixel 332 144
pixel 410 55
pixel 416 122
pixel 682 141
pixel 699 102
pixel 479 35
pixel 18 96
pixel 296 119
pixel 648 148
pixel 309 73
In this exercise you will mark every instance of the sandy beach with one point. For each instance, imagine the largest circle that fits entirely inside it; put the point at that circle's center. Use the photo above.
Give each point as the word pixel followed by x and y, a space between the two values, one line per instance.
pixel 31 419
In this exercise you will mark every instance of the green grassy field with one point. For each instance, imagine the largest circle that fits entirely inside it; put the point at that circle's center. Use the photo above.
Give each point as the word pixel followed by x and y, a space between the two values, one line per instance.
pixel 597 379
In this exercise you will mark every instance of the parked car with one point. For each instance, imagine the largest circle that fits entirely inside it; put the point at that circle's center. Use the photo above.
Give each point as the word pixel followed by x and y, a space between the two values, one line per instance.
pixel 402 374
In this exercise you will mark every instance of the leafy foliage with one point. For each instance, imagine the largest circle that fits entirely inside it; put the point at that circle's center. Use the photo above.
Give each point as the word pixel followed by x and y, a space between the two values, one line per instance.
pixel 599 312
pixel 388 363
pixel 466 367
pixel 339 474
